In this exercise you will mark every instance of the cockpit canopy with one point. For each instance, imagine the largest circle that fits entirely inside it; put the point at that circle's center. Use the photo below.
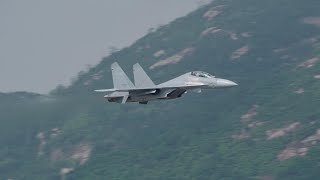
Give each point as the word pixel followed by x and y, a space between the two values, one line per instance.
pixel 202 74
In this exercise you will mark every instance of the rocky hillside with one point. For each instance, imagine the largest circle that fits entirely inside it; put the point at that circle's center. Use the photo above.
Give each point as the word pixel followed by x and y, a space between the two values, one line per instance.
pixel 266 128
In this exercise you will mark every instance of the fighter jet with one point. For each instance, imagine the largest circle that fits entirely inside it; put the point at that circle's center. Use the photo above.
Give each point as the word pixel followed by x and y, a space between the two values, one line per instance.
pixel 144 90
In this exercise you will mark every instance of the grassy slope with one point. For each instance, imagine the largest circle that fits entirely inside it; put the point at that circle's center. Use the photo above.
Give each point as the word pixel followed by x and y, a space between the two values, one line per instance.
pixel 191 138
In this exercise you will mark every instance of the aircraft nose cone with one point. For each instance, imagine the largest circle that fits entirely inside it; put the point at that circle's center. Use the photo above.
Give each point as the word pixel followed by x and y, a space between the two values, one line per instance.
pixel 224 83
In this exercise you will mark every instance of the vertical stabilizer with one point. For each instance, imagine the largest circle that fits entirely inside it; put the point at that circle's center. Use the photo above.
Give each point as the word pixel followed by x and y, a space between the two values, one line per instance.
pixel 120 79
pixel 141 79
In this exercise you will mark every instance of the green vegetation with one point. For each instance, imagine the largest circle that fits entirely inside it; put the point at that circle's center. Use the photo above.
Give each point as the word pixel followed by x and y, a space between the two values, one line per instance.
pixel 222 134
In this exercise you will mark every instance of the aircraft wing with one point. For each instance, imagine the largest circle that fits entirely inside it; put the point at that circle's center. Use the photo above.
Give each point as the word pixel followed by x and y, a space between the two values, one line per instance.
pixel 186 86
pixel 122 95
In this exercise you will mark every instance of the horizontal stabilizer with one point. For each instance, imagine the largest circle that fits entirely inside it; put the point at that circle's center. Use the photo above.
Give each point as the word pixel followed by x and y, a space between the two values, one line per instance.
pixel 120 79
pixel 141 79
pixel 120 97
pixel 104 90
pixel 117 94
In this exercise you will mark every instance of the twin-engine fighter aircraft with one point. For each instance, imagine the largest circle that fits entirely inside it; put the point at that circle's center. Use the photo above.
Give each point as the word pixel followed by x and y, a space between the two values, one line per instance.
pixel 145 90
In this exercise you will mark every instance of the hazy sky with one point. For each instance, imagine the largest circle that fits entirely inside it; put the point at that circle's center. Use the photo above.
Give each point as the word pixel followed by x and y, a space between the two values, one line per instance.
pixel 44 43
